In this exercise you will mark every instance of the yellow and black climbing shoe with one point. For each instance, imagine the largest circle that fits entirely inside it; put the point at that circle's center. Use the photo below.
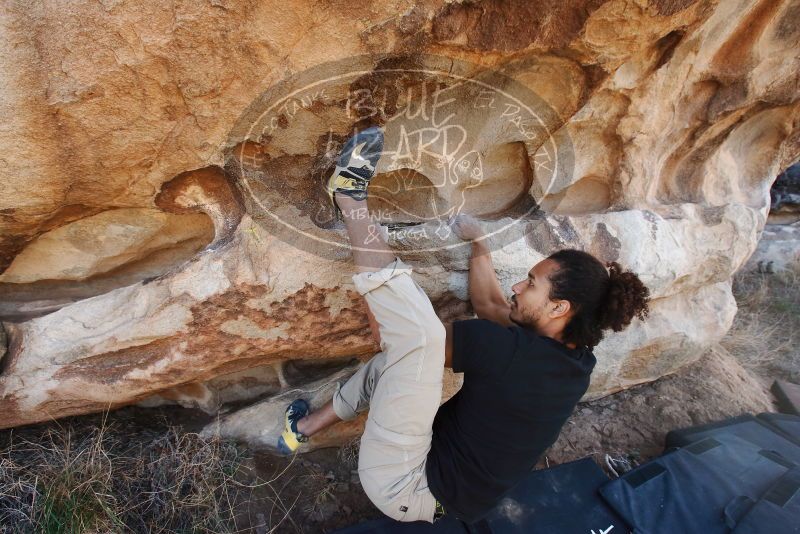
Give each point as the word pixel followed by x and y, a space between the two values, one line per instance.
pixel 439 512
pixel 291 439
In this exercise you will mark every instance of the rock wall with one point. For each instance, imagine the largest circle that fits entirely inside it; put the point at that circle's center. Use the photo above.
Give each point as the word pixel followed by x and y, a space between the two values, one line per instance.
pixel 140 257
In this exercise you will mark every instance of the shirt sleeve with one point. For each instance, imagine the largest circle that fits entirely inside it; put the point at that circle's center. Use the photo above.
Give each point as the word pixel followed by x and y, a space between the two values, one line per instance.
pixel 481 346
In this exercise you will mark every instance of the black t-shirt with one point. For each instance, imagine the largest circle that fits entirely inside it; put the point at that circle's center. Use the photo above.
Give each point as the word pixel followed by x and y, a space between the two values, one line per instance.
pixel 519 389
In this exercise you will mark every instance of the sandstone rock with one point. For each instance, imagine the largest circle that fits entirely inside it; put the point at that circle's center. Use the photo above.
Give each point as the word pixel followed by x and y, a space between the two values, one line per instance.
pixel 225 310
pixel 103 242
pixel 660 128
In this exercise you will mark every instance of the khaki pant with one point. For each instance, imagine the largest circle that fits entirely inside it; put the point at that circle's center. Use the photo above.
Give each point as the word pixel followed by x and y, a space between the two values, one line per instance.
pixel 402 388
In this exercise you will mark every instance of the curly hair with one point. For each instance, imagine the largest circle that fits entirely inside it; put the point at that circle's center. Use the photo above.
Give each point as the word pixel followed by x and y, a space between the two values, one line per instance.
pixel 601 299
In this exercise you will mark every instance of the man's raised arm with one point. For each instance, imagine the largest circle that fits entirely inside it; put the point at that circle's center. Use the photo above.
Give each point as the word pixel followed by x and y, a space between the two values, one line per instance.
pixel 485 292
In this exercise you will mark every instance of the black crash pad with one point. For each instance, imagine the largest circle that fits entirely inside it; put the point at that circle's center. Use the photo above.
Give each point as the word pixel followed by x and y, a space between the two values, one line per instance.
pixel 788 425
pixel 689 489
pixel 778 511
pixel 562 499
pixel 745 427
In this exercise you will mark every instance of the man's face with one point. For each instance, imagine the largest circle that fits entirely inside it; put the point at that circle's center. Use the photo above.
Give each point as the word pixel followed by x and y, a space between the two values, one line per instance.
pixel 530 303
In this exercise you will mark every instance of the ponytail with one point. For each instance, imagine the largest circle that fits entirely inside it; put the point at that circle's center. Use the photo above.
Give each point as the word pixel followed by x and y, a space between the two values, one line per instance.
pixel 601 299
pixel 626 298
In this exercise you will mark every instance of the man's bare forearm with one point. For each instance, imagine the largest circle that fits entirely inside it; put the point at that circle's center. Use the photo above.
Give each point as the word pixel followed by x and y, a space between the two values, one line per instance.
pixel 485 292
pixel 484 287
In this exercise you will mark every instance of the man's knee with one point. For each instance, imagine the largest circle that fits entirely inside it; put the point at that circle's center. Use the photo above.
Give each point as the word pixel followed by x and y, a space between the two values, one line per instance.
pixel 344 408
pixel 354 395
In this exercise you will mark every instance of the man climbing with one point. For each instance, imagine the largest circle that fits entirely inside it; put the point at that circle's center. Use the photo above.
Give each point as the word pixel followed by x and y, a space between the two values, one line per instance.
pixel 526 363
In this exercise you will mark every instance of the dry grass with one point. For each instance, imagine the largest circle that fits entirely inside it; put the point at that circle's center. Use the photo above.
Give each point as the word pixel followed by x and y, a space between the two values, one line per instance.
pixel 764 335
pixel 141 470
pixel 348 453
pixel 102 478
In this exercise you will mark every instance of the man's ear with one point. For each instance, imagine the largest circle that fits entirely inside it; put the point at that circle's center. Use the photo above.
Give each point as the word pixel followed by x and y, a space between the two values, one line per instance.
pixel 560 309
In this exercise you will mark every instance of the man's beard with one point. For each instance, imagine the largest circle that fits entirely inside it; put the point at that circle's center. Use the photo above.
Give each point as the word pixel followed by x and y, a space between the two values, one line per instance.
pixel 525 320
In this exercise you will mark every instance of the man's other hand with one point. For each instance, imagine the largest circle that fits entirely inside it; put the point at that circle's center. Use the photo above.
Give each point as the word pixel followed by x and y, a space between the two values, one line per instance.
pixel 466 227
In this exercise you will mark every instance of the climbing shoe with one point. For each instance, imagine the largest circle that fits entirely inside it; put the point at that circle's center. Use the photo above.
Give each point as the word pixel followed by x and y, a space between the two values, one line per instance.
pixel 356 164
pixel 291 439
pixel 439 512
pixel 620 464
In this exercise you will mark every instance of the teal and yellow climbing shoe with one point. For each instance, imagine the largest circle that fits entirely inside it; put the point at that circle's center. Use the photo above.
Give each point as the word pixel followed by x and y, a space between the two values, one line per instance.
pixel 291 439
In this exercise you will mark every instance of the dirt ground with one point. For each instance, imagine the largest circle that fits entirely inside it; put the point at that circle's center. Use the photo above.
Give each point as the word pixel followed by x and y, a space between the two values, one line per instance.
pixel 635 421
